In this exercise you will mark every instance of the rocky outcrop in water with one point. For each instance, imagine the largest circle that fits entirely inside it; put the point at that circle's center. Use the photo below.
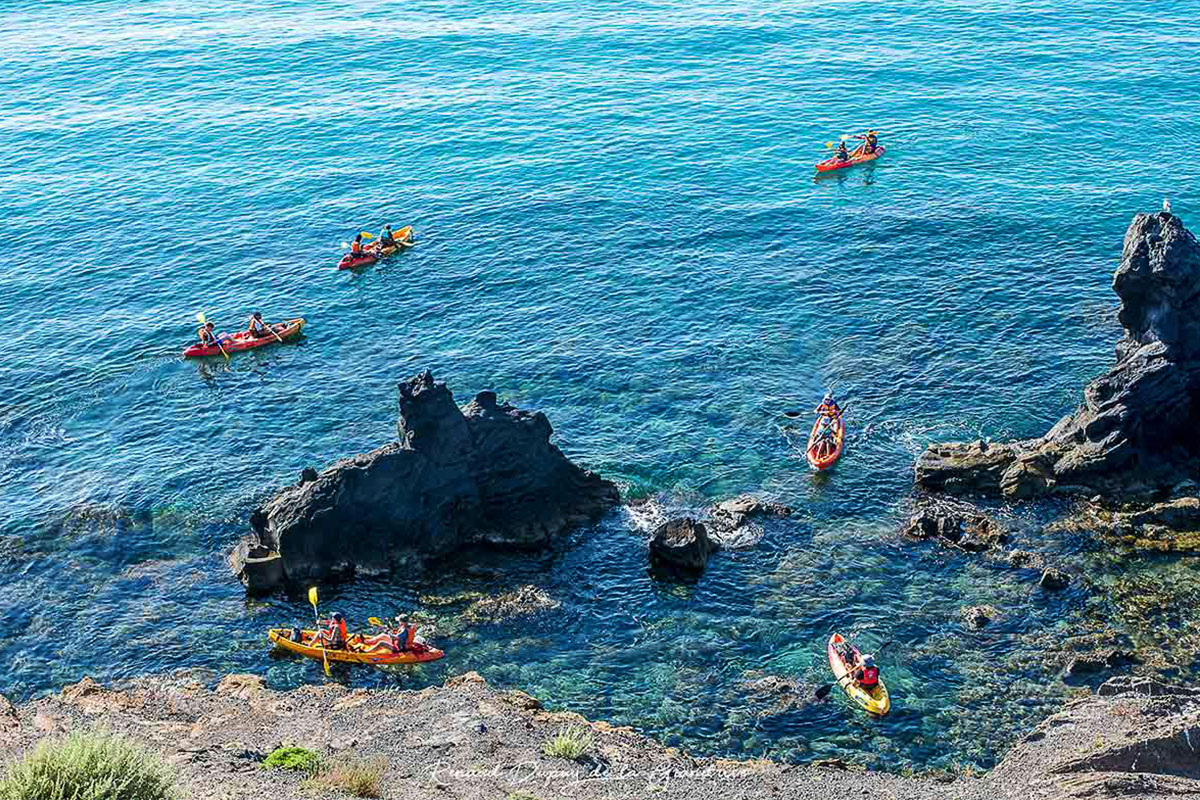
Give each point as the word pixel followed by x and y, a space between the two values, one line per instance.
pixel 1138 429
pixel 682 544
pixel 485 474
pixel 1172 526
pixel 954 523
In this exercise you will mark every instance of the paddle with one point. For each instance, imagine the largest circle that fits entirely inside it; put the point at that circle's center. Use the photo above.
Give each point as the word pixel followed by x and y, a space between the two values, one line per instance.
pixel 312 598
pixel 273 333
pixel 800 412
pixel 203 321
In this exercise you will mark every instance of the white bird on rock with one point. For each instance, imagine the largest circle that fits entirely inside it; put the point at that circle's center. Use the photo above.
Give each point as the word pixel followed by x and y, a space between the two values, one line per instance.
pixel 1166 205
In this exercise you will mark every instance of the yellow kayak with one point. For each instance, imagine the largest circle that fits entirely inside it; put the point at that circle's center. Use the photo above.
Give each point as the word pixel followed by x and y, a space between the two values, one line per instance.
pixel 355 653
pixel 875 700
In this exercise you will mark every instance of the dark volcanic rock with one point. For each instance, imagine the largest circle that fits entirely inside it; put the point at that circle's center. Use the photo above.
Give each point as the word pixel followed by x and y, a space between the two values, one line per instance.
pixel 1099 661
pixel 954 523
pixel 1170 527
pixel 979 617
pixel 737 512
pixel 1054 579
pixel 682 544
pixel 485 474
pixel 1139 426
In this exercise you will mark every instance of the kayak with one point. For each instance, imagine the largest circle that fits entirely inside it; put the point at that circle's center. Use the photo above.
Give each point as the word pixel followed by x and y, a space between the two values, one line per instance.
pixel 374 252
pixel 284 638
pixel 354 262
pixel 857 157
pixel 242 340
pixel 825 442
pixel 876 701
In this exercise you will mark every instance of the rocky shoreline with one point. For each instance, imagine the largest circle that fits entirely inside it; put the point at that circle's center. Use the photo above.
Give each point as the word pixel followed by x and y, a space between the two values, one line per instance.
pixel 466 739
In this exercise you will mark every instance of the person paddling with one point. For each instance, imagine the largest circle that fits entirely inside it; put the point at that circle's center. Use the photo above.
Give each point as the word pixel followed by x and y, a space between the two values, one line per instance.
pixel 333 635
pixel 208 336
pixel 256 327
pixel 829 407
pixel 842 155
pixel 387 238
pixel 356 249
pixel 866 674
pixel 870 142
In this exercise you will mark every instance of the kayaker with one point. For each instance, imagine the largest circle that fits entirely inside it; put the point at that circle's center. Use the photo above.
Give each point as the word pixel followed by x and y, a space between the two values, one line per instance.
pixel 842 155
pixel 334 634
pixel 208 336
pixel 871 141
pixel 866 674
pixel 356 249
pixel 387 238
pixel 829 407
pixel 256 327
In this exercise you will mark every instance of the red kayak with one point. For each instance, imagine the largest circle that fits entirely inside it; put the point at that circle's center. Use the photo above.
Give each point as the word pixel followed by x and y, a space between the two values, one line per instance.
pixel 825 442
pixel 350 261
pixel 242 340
pixel 857 157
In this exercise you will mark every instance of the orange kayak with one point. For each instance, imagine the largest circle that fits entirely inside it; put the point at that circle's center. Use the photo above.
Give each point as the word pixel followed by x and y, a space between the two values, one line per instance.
pixel 355 653
pixel 857 157
pixel 825 442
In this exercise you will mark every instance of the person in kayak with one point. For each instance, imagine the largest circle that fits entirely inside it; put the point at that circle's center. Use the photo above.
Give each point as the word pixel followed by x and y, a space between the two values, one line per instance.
pixel 356 249
pixel 387 238
pixel 334 634
pixel 396 640
pixel 208 336
pixel 256 327
pixel 870 142
pixel 866 674
pixel 842 155
pixel 829 407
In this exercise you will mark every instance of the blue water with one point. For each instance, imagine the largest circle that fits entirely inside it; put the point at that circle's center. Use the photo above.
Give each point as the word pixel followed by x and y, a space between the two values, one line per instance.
pixel 618 224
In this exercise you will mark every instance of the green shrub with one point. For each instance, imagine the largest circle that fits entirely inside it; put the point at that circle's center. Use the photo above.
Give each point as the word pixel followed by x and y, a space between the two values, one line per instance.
pixel 293 758
pixel 568 743
pixel 361 777
pixel 88 766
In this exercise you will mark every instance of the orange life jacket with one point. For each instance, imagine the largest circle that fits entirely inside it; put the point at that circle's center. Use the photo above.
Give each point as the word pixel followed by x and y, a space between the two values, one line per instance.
pixel 356 248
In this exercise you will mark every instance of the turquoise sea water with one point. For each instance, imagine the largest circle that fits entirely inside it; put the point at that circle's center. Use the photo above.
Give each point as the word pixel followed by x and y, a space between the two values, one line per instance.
pixel 618 224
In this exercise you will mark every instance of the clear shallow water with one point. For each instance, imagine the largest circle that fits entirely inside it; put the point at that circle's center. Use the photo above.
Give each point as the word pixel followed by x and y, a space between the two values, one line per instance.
pixel 618 225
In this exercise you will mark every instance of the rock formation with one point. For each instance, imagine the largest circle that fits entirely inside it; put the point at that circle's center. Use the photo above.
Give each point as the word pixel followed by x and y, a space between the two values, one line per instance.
pixel 955 524
pixel 1138 429
pixel 483 474
pixel 682 544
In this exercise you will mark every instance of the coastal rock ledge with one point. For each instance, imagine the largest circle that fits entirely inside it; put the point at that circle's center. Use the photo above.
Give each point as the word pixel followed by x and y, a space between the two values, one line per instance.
pixel 1138 430
pixel 485 474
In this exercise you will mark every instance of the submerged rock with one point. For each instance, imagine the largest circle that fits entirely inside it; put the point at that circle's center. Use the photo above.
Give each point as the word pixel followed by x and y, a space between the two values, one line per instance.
pixel 1169 527
pixel 979 617
pixel 1139 426
pixel 740 510
pixel 483 474
pixel 1054 579
pixel 682 544
pixel 954 523
pixel 520 602
pixel 1099 661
